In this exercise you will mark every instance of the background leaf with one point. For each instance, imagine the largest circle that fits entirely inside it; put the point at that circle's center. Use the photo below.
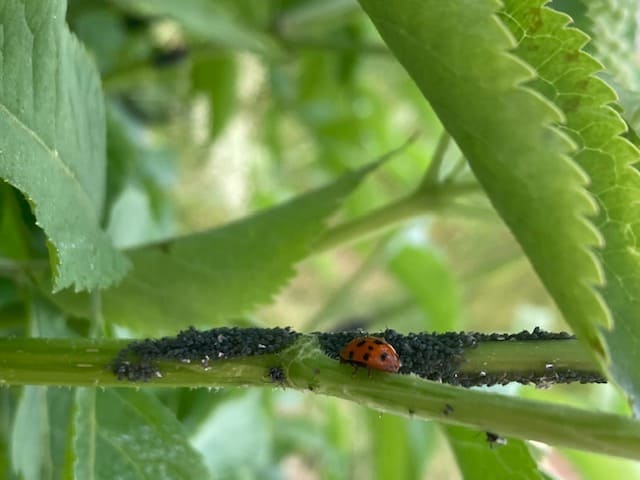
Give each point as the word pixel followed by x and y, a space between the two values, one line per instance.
pixel 478 459
pixel 53 140
pixel 208 20
pixel 432 285
pixel 456 53
pixel 126 434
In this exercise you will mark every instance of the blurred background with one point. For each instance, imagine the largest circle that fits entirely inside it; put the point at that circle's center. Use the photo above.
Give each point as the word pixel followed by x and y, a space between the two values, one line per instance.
pixel 216 109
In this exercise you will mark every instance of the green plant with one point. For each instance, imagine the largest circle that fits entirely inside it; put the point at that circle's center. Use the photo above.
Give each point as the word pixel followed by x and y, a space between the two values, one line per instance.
pixel 153 161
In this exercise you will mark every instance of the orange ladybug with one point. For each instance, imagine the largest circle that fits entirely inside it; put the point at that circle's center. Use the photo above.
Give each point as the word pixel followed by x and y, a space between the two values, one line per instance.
pixel 372 352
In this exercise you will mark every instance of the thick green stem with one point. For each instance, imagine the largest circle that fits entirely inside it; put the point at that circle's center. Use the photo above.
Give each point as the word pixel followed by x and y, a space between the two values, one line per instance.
pixel 515 417
pixel 86 362
pixel 305 367
pixel 80 362
pixel 538 357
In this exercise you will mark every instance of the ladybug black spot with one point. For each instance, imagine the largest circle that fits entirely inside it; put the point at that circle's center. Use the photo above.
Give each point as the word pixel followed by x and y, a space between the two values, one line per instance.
pixel 360 343
pixel 383 357
pixel 351 355
pixel 379 342
pixel 365 357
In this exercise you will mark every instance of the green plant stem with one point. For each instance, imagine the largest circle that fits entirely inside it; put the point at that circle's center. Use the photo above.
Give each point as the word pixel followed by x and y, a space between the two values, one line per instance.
pixel 515 417
pixel 302 43
pixel 455 171
pixel 532 356
pixel 372 223
pixel 87 362
pixel 418 203
pixel 431 176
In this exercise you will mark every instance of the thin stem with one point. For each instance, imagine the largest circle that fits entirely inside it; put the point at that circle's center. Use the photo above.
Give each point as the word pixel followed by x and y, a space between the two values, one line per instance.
pixel 97 318
pixel 300 43
pixel 377 221
pixel 10 267
pixel 455 171
pixel 431 176
pixel 373 223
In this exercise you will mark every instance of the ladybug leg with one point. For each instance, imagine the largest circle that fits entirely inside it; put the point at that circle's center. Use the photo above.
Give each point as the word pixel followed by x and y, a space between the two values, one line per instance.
pixel 355 370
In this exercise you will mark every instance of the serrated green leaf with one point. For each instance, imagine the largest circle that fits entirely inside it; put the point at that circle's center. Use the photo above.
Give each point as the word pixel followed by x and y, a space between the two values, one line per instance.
pixel 478 459
pixel 210 277
pixel 126 434
pixel 208 20
pixel 567 75
pixel 456 52
pixel 52 139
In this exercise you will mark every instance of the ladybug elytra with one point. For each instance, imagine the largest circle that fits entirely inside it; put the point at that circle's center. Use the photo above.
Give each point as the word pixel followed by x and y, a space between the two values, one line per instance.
pixel 374 353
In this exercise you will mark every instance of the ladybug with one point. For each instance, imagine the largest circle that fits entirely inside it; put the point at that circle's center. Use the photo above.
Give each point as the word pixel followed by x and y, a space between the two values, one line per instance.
pixel 372 352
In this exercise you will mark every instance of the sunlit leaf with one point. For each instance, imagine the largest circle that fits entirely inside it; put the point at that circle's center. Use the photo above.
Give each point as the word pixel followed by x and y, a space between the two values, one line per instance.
pixel 52 139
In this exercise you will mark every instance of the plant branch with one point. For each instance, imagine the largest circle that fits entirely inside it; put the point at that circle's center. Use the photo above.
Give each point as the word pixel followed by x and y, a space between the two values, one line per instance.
pixel 304 366
pixel 414 205
pixel 372 223
pixel 431 176
pixel 515 417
